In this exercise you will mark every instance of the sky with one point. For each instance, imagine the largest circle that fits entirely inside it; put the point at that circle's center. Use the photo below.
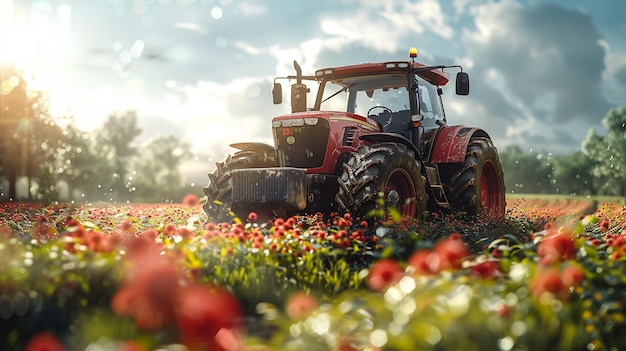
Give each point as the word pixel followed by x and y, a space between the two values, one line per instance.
pixel 542 73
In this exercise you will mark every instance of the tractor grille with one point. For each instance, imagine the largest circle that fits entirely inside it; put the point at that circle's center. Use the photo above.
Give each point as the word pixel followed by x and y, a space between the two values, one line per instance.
pixel 303 146
pixel 349 135
pixel 270 187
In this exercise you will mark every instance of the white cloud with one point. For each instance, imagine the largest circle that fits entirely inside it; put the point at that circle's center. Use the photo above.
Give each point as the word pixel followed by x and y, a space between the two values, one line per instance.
pixel 250 8
pixel 527 71
pixel 189 26
pixel 381 24
pixel 460 6
pixel 248 49
pixel 204 113
pixel 614 87
pixel 489 20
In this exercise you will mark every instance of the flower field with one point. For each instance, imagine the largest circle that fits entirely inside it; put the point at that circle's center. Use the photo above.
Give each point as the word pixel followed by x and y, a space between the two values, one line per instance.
pixel 160 277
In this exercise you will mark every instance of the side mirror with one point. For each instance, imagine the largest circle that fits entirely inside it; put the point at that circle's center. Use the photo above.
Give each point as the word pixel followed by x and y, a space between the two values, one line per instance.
pixel 277 93
pixel 462 83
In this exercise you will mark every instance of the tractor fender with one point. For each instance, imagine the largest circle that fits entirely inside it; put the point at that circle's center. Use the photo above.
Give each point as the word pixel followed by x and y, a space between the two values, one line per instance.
pixel 451 143
pixel 389 137
pixel 250 146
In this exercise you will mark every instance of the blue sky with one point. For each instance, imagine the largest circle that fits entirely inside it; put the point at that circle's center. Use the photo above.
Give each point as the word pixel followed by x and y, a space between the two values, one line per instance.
pixel 542 72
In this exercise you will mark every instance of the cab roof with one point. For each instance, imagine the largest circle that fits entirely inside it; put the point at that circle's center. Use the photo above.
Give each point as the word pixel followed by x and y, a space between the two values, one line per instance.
pixel 435 76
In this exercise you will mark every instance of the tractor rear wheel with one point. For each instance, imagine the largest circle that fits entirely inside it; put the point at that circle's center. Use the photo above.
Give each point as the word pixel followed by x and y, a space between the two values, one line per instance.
pixel 386 169
pixel 219 190
pixel 478 185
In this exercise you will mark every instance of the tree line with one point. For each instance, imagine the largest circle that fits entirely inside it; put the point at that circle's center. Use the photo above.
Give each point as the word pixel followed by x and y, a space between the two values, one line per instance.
pixel 53 160
pixel 57 161
pixel 598 168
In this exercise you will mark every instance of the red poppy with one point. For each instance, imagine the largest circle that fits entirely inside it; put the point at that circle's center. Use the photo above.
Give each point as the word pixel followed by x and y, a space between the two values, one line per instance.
pixel 383 273
pixel 556 246
pixel 44 342
pixel 572 275
pixel 97 242
pixel 209 318
pixel 451 252
pixel 149 294
pixel 300 306
pixel 423 262
pixel 253 217
pixel 486 269
pixel 191 200
pixel 548 281
pixel 126 226
pixel 44 232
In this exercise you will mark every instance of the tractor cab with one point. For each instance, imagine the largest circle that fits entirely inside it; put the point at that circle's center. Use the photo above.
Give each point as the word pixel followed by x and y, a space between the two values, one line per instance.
pixel 388 99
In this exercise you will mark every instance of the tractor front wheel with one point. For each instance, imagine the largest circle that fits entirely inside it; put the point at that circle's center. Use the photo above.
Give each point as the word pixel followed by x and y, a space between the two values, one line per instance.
pixel 219 190
pixel 379 177
pixel 478 185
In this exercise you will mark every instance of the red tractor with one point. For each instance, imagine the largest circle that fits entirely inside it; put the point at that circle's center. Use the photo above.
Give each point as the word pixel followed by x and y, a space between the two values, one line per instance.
pixel 376 137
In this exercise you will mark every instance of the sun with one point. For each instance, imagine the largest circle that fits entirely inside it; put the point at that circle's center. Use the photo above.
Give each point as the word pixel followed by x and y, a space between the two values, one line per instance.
pixel 39 45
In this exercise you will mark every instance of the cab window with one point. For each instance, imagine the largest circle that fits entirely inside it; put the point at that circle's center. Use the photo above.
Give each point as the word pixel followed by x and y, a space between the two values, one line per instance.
pixel 429 102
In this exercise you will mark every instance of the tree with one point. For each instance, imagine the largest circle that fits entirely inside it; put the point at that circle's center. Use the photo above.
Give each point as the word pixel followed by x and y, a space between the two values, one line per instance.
pixel 572 174
pixel 116 140
pixel 609 152
pixel 84 168
pixel 158 178
pixel 15 110
pixel 29 134
pixel 526 172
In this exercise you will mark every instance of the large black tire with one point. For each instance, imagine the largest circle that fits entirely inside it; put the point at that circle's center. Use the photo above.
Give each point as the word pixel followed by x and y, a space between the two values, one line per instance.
pixel 219 190
pixel 478 185
pixel 387 169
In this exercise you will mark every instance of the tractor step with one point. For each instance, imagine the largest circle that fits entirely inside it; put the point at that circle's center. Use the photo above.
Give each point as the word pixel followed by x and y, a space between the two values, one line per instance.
pixel 434 181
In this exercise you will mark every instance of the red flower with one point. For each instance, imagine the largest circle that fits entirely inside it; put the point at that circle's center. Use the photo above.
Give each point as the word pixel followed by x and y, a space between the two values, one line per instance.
pixel 150 291
pixel 572 275
pixel 604 225
pixel 44 232
pixel 486 269
pixel 300 306
pixel 423 262
pixel 209 318
pixel 44 342
pixel 191 200
pixel 556 246
pixel 97 242
pixel 548 281
pixel 149 300
pixel 184 232
pixel 383 273
pixel 451 253
pixel 126 226
pixel 253 217
pixel 504 311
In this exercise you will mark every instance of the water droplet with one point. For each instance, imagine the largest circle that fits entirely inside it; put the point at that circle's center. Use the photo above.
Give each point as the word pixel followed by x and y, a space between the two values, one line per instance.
pixel 506 343
pixel 378 338
pixel 216 13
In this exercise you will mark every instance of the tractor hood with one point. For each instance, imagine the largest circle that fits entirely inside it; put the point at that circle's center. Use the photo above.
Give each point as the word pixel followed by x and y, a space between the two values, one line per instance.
pixel 311 118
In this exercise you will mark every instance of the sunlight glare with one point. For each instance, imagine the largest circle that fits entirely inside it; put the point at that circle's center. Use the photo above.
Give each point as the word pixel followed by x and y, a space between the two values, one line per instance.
pixel 40 47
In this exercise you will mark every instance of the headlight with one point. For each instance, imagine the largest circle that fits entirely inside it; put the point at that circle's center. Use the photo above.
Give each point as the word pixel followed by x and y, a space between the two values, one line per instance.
pixel 297 122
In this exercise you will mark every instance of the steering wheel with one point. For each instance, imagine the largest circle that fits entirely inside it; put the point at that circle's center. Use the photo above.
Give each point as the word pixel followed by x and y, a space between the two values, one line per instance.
pixel 385 109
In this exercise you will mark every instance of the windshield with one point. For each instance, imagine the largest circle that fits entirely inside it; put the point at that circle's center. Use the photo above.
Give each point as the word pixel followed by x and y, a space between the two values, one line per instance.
pixel 361 95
